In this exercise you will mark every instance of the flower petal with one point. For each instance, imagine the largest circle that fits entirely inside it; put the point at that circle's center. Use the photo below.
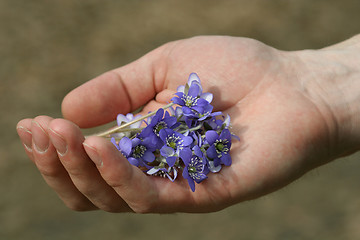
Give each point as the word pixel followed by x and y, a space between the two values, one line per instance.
pixel 121 118
pixel 115 144
pixel 187 140
pixel 125 146
pixel 135 142
pixel 211 136
pixel 193 77
pixel 207 96
pixel 211 152
pixel 175 175
pixel 214 168
pixel 198 151
pixel 191 184
pixel 180 88
pixel 194 90
pixel 225 134
pixel 171 160
pixel 152 171
pixel 226 159
pixel 185 154
pixel 167 151
pixel 134 161
pixel 202 102
pixel 148 156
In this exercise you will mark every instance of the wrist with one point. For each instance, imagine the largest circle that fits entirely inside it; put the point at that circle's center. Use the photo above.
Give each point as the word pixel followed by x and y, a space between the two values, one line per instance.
pixel 332 81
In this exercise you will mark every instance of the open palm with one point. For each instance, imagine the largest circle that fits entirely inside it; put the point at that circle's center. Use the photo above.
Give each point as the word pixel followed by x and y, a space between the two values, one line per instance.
pixel 283 135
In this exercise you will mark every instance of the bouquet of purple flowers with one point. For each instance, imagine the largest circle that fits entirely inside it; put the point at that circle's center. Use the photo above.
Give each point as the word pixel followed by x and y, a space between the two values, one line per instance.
pixel 190 139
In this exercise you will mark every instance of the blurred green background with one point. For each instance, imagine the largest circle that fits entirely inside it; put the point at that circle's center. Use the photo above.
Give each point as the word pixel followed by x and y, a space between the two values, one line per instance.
pixel 49 47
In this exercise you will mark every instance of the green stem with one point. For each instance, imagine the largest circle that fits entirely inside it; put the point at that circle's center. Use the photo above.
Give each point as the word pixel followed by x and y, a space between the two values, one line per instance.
pixel 117 128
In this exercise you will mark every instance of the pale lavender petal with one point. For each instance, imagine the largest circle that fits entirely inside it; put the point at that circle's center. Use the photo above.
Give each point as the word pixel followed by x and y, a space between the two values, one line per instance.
pixel 152 171
pixel 227 121
pixel 120 119
pixel 125 146
pixel 180 88
pixel 175 175
pixel 207 96
pixel 214 168
pixel 167 151
pixel 193 77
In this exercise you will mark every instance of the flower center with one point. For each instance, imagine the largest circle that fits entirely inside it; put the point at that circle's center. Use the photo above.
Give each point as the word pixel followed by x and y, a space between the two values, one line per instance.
pixel 174 142
pixel 192 169
pixel 159 126
pixel 190 101
pixel 139 151
pixel 221 147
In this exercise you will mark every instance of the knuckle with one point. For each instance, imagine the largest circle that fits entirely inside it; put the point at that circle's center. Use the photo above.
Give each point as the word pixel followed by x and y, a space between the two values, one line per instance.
pixel 49 171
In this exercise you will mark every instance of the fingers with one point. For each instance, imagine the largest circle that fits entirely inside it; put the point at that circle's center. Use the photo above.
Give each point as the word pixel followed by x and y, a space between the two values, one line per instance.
pixel 128 181
pixel 67 139
pixel 46 159
pixel 23 129
pixel 118 91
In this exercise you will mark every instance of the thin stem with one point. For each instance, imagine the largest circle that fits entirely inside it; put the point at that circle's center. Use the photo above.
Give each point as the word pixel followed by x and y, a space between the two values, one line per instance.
pixel 117 128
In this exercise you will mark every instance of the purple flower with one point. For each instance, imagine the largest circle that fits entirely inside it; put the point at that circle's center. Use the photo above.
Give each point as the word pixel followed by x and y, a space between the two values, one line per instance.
pixel 137 151
pixel 190 96
pixel 174 142
pixel 157 122
pixel 195 167
pixel 219 149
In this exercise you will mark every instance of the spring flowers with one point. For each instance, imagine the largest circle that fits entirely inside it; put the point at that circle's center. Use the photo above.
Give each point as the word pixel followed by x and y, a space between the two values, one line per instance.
pixel 188 140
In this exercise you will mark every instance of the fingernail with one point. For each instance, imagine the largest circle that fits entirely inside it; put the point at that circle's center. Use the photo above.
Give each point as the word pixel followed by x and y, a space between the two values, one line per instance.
pixel 58 141
pixel 25 136
pixel 93 154
pixel 40 137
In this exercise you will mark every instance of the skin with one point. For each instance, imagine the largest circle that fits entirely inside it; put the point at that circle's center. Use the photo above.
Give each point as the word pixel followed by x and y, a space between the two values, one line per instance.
pixel 293 111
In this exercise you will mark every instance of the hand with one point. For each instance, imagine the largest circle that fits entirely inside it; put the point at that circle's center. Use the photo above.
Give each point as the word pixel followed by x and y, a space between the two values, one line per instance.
pixel 285 128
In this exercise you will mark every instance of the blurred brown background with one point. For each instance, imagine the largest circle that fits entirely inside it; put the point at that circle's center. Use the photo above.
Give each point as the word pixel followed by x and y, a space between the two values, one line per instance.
pixel 48 48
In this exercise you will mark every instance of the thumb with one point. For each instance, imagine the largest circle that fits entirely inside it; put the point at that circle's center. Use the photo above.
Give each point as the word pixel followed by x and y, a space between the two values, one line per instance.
pixel 121 90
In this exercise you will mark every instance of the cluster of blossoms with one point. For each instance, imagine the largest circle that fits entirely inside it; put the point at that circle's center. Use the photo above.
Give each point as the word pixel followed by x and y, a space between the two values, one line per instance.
pixel 190 139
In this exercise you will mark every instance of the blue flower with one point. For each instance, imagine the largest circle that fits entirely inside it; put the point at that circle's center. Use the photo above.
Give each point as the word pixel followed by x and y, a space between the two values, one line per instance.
pixel 156 123
pixel 195 166
pixel 138 152
pixel 190 96
pixel 174 142
pixel 219 150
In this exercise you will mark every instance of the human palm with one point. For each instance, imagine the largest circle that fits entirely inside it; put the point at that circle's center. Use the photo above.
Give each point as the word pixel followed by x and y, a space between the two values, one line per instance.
pixel 282 132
